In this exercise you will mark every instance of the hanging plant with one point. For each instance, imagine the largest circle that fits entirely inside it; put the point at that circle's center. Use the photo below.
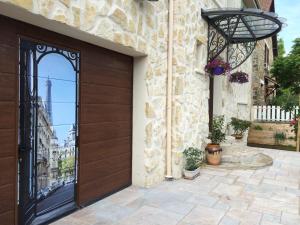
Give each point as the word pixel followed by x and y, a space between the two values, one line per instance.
pixel 217 67
pixel 239 77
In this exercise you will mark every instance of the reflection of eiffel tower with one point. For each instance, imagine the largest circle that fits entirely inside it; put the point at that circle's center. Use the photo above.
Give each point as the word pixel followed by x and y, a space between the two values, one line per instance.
pixel 48 104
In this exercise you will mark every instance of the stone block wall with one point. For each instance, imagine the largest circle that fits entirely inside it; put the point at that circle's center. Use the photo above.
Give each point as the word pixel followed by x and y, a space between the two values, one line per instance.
pixel 260 71
pixel 142 26
pixel 265 136
pixel 191 84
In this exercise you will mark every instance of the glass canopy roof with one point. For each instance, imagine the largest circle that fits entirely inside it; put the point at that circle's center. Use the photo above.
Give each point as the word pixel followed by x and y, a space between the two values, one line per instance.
pixel 235 32
pixel 243 25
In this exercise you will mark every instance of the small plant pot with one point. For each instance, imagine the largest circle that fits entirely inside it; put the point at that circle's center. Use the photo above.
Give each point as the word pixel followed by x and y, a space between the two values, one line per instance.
pixel 191 175
pixel 213 154
pixel 218 70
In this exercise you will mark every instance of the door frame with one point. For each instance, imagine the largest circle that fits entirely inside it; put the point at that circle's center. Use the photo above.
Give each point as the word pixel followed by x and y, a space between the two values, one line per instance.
pixel 50 43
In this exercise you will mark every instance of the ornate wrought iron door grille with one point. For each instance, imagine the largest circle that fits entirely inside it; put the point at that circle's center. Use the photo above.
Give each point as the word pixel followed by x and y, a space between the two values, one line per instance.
pixel 31 53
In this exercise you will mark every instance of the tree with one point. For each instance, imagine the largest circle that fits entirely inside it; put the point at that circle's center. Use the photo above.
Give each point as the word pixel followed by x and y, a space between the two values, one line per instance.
pixel 286 69
pixel 66 166
pixel 286 99
pixel 281 49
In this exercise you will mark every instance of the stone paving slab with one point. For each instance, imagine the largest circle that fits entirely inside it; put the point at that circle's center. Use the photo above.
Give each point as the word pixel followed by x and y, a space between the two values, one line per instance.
pixel 267 196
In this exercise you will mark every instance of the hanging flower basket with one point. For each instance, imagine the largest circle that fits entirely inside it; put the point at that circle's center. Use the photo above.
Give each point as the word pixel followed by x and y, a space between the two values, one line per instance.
pixel 217 67
pixel 239 77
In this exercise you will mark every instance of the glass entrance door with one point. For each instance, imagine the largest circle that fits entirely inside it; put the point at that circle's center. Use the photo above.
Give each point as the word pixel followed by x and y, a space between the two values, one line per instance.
pixel 48 129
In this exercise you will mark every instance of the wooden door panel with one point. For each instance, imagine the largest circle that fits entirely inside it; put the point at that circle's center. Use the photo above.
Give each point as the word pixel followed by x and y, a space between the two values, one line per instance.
pixel 112 148
pixel 8 121
pixel 103 94
pixel 105 118
pixel 108 184
pixel 7 86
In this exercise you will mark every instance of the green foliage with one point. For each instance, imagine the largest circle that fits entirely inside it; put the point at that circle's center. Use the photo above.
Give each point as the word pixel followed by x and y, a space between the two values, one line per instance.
pixel 239 126
pixel 66 165
pixel 281 49
pixel 286 69
pixel 217 134
pixel 279 136
pixel 286 99
pixel 258 127
pixel 194 157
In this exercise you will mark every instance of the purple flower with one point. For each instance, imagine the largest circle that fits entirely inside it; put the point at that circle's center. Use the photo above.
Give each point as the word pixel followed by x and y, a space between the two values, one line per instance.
pixel 239 77
pixel 217 67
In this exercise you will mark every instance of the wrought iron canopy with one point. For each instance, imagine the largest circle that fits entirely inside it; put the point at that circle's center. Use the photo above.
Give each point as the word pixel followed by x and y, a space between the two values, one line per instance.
pixel 238 30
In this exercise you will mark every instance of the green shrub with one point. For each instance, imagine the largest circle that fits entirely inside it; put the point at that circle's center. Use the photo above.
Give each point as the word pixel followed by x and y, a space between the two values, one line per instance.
pixel 239 126
pixel 193 158
pixel 279 136
pixel 258 127
pixel 217 134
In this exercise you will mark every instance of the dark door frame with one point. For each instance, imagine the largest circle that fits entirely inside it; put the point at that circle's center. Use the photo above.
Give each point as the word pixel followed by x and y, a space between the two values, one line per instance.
pixel 40 49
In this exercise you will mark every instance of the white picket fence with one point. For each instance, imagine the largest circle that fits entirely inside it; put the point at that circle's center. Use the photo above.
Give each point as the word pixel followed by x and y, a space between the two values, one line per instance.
pixel 272 113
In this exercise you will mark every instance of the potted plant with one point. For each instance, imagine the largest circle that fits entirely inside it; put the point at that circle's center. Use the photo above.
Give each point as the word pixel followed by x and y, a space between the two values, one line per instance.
pixel 217 67
pixel 239 77
pixel 217 135
pixel 239 127
pixel 193 159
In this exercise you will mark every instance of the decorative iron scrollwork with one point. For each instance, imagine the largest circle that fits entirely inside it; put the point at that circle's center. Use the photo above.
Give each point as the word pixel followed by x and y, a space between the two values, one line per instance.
pixel 72 57
pixel 221 39
pixel 216 43
pixel 239 52
pixel 42 50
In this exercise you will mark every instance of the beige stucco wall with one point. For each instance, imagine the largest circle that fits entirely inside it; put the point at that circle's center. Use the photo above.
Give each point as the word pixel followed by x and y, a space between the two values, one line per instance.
pixel 139 28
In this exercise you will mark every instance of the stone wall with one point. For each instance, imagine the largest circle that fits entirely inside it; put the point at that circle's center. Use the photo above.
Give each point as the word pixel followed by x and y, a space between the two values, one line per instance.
pixel 265 135
pixel 260 71
pixel 191 84
pixel 142 26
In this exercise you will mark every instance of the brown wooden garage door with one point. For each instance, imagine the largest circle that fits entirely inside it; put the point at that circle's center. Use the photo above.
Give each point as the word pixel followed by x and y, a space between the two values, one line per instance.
pixel 105 123
pixel 8 122
pixel 104 116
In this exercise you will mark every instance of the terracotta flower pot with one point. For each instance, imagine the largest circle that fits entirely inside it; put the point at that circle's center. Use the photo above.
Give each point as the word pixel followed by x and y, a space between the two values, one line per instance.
pixel 238 136
pixel 213 154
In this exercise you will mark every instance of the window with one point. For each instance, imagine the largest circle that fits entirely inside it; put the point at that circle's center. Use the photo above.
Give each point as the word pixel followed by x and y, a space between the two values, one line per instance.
pixel 266 58
pixel 200 56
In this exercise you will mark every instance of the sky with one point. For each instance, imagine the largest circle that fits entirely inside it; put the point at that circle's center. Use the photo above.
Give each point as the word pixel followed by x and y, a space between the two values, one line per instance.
pixel 62 76
pixel 290 10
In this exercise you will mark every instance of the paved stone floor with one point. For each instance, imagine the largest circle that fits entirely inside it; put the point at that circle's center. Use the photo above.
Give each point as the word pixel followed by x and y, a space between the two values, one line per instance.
pixel 268 196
